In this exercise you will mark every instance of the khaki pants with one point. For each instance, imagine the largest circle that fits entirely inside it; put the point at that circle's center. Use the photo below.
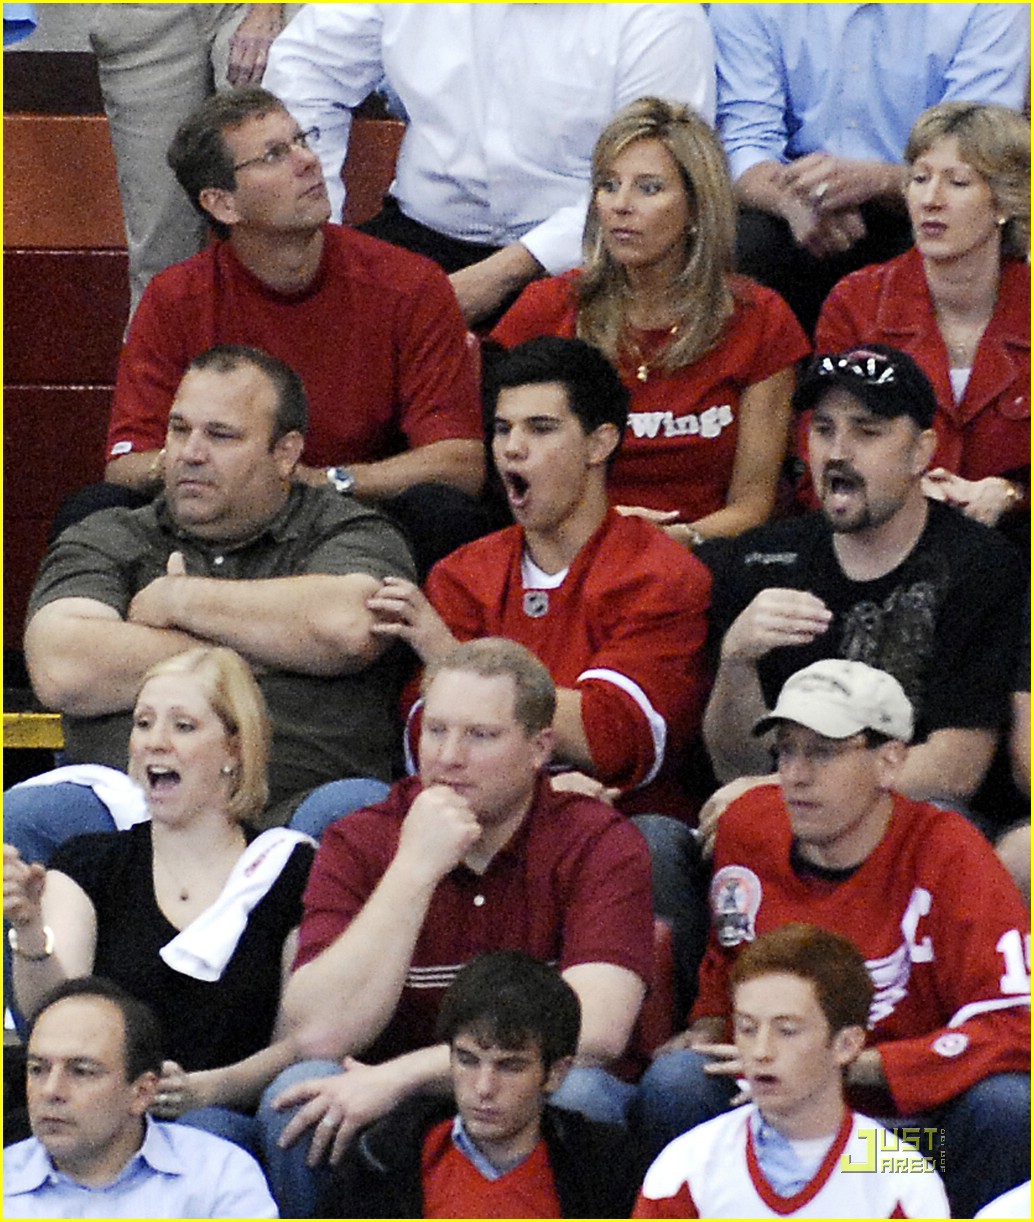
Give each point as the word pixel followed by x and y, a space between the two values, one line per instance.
pixel 158 63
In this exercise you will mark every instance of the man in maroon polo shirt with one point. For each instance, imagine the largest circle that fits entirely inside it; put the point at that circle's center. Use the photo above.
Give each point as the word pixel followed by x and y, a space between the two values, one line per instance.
pixel 476 853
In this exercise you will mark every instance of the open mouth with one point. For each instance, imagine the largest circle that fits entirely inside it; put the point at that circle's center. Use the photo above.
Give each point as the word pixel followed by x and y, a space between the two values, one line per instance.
pixel 161 779
pixel 841 483
pixel 516 488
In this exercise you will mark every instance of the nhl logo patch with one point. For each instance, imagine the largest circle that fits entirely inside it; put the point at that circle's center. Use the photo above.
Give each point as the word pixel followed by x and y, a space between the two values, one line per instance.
pixel 536 603
pixel 735 900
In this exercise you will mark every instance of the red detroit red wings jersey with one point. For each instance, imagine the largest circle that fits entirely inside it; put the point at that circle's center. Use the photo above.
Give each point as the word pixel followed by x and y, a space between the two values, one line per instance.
pixel 942 926
pixel 625 626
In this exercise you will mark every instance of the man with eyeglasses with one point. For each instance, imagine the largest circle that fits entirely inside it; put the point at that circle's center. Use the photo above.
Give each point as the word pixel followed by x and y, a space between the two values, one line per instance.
pixel 374 332
pixel 879 573
pixel 943 928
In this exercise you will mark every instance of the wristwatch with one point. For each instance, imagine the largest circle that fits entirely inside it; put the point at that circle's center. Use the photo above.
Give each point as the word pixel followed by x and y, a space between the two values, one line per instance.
pixel 341 479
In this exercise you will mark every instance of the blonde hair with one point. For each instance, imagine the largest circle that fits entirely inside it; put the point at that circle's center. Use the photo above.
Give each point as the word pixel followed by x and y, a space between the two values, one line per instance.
pixel 995 141
pixel 534 690
pixel 235 698
pixel 701 295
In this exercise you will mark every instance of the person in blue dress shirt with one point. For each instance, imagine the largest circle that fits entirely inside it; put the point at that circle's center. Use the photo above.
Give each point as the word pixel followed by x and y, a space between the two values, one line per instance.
pixel 94 1055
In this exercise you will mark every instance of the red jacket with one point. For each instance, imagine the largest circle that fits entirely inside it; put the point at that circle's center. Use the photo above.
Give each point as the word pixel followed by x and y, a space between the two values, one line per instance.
pixel 988 433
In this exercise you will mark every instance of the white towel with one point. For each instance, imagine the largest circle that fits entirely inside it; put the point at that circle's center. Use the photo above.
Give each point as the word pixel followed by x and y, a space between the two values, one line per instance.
pixel 122 796
pixel 204 948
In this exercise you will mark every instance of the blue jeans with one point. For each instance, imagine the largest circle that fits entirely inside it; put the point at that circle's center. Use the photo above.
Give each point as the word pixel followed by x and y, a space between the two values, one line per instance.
pixel 39 818
pixel 295 1186
pixel 986 1129
pixel 680 886
pixel 675 1095
pixel 986 1141
pixel 328 803
pixel 238 1127
pixel 596 1094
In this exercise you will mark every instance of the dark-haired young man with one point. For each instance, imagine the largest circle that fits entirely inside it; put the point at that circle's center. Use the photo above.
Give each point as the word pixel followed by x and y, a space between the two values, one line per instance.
pixel 499 1149
pixel 611 606
pixel 94 1060
pixel 375 332
pixel 800 1008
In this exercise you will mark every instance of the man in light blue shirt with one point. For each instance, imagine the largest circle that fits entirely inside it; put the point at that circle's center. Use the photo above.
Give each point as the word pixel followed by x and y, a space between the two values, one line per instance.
pixel 94 1056
pixel 815 104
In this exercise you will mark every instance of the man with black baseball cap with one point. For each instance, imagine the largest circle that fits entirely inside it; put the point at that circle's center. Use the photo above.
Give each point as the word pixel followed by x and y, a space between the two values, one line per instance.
pixel 880 574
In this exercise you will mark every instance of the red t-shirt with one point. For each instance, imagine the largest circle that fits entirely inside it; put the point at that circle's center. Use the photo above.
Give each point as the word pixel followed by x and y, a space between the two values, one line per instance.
pixel 378 340
pixel 679 450
pixel 455 1188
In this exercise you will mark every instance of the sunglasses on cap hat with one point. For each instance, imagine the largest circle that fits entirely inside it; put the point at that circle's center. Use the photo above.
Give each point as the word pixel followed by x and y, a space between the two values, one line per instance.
pixel 887 381
pixel 871 367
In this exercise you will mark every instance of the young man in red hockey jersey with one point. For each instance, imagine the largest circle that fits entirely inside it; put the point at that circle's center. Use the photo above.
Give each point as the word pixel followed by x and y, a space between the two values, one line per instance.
pixel 801 999
pixel 607 603
pixel 943 928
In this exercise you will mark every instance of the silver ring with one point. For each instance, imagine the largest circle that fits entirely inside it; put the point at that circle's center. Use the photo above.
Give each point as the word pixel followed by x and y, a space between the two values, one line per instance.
pixel 328 1122
pixel 820 190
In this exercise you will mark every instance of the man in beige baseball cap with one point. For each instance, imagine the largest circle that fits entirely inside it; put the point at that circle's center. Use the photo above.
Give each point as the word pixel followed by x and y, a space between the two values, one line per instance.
pixel 830 840
pixel 838 698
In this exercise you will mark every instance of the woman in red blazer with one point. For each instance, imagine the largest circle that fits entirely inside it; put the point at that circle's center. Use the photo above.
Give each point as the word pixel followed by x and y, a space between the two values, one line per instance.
pixel 959 302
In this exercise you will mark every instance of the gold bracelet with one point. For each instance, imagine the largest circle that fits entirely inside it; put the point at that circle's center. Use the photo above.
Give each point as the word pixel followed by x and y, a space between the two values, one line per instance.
pixel 45 953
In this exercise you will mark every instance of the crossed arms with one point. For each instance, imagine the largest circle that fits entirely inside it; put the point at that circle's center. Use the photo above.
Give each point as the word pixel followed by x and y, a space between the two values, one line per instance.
pixel 86 659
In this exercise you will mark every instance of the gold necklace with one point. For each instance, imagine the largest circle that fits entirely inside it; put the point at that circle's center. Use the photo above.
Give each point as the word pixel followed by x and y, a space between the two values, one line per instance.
pixel 641 362
pixel 961 338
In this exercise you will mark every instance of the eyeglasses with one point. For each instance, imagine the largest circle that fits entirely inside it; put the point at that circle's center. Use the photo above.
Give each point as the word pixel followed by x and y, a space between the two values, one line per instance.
pixel 819 753
pixel 278 153
pixel 871 367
